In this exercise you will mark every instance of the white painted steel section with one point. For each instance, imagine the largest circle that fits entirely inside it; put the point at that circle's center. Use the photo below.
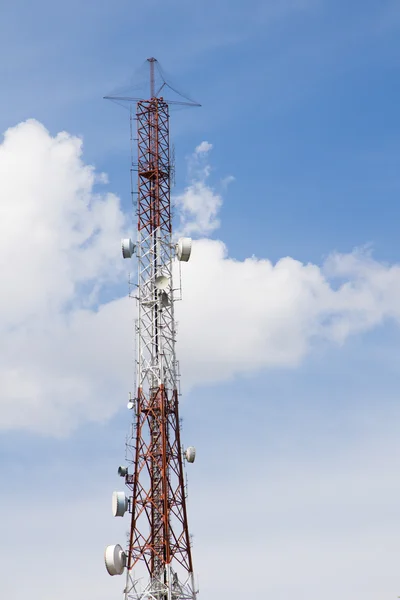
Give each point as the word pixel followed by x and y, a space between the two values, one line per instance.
pixel 155 330
pixel 170 588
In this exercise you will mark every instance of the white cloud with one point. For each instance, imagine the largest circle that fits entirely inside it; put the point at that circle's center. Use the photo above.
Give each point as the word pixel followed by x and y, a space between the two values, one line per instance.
pixel 240 316
pixel 56 236
pixel 66 358
pixel 226 181
pixel 203 147
pixel 199 203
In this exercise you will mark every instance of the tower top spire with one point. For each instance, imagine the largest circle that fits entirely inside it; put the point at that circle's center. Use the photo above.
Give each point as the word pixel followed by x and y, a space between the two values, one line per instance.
pixel 152 62
pixel 153 80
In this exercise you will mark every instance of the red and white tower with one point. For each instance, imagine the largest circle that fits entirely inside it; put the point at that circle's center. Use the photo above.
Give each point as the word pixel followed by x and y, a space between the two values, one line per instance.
pixel 158 559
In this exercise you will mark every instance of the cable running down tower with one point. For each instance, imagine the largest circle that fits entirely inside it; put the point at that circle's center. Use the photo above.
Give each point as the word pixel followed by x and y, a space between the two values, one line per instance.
pixel 158 549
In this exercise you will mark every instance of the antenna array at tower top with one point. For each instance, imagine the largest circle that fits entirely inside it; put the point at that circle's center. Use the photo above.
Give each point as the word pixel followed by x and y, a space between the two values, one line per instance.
pixel 151 81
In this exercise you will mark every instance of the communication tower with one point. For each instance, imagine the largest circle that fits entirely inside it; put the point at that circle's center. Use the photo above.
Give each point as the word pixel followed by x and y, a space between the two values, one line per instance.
pixel 157 558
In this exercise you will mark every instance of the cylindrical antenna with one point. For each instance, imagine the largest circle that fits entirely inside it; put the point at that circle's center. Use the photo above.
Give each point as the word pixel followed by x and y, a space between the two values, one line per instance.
pixel 152 81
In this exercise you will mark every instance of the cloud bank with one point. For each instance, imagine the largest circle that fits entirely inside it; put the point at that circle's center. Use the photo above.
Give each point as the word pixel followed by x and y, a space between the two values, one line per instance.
pixel 242 316
pixel 67 354
pixel 59 247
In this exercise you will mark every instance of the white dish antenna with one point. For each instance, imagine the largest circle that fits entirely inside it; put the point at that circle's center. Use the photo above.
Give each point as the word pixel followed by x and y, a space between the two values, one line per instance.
pixel 115 559
pixel 190 454
pixel 128 248
pixel 184 249
pixel 120 504
pixel 161 282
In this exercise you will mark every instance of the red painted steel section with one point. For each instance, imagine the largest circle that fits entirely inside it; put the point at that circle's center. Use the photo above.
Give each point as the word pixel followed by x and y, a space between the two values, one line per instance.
pixel 158 444
pixel 154 205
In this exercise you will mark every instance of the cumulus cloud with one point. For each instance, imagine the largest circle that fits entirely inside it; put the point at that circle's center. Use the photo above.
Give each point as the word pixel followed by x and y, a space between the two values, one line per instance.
pixel 240 316
pixel 199 204
pixel 203 147
pixel 67 354
pixel 57 237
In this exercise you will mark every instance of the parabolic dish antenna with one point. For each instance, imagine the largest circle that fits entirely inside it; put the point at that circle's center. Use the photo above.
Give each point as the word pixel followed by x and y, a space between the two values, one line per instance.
pixel 190 454
pixel 128 248
pixel 115 559
pixel 119 504
pixel 161 282
pixel 184 249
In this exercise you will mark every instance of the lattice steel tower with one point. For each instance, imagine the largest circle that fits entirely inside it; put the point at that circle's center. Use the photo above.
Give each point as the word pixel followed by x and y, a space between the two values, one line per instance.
pixel 159 548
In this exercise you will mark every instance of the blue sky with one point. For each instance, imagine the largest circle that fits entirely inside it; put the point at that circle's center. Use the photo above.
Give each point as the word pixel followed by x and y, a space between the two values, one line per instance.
pixel 297 469
pixel 308 88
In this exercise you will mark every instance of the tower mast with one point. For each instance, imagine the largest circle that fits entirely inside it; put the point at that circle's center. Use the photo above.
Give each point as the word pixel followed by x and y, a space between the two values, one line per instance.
pixel 159 543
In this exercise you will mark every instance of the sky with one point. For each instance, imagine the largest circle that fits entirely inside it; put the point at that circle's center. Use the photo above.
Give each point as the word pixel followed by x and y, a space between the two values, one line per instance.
pixel 288 180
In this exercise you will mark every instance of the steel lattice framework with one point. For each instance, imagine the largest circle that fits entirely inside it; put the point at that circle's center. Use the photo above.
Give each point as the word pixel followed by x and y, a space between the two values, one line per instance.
pixel 159 540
